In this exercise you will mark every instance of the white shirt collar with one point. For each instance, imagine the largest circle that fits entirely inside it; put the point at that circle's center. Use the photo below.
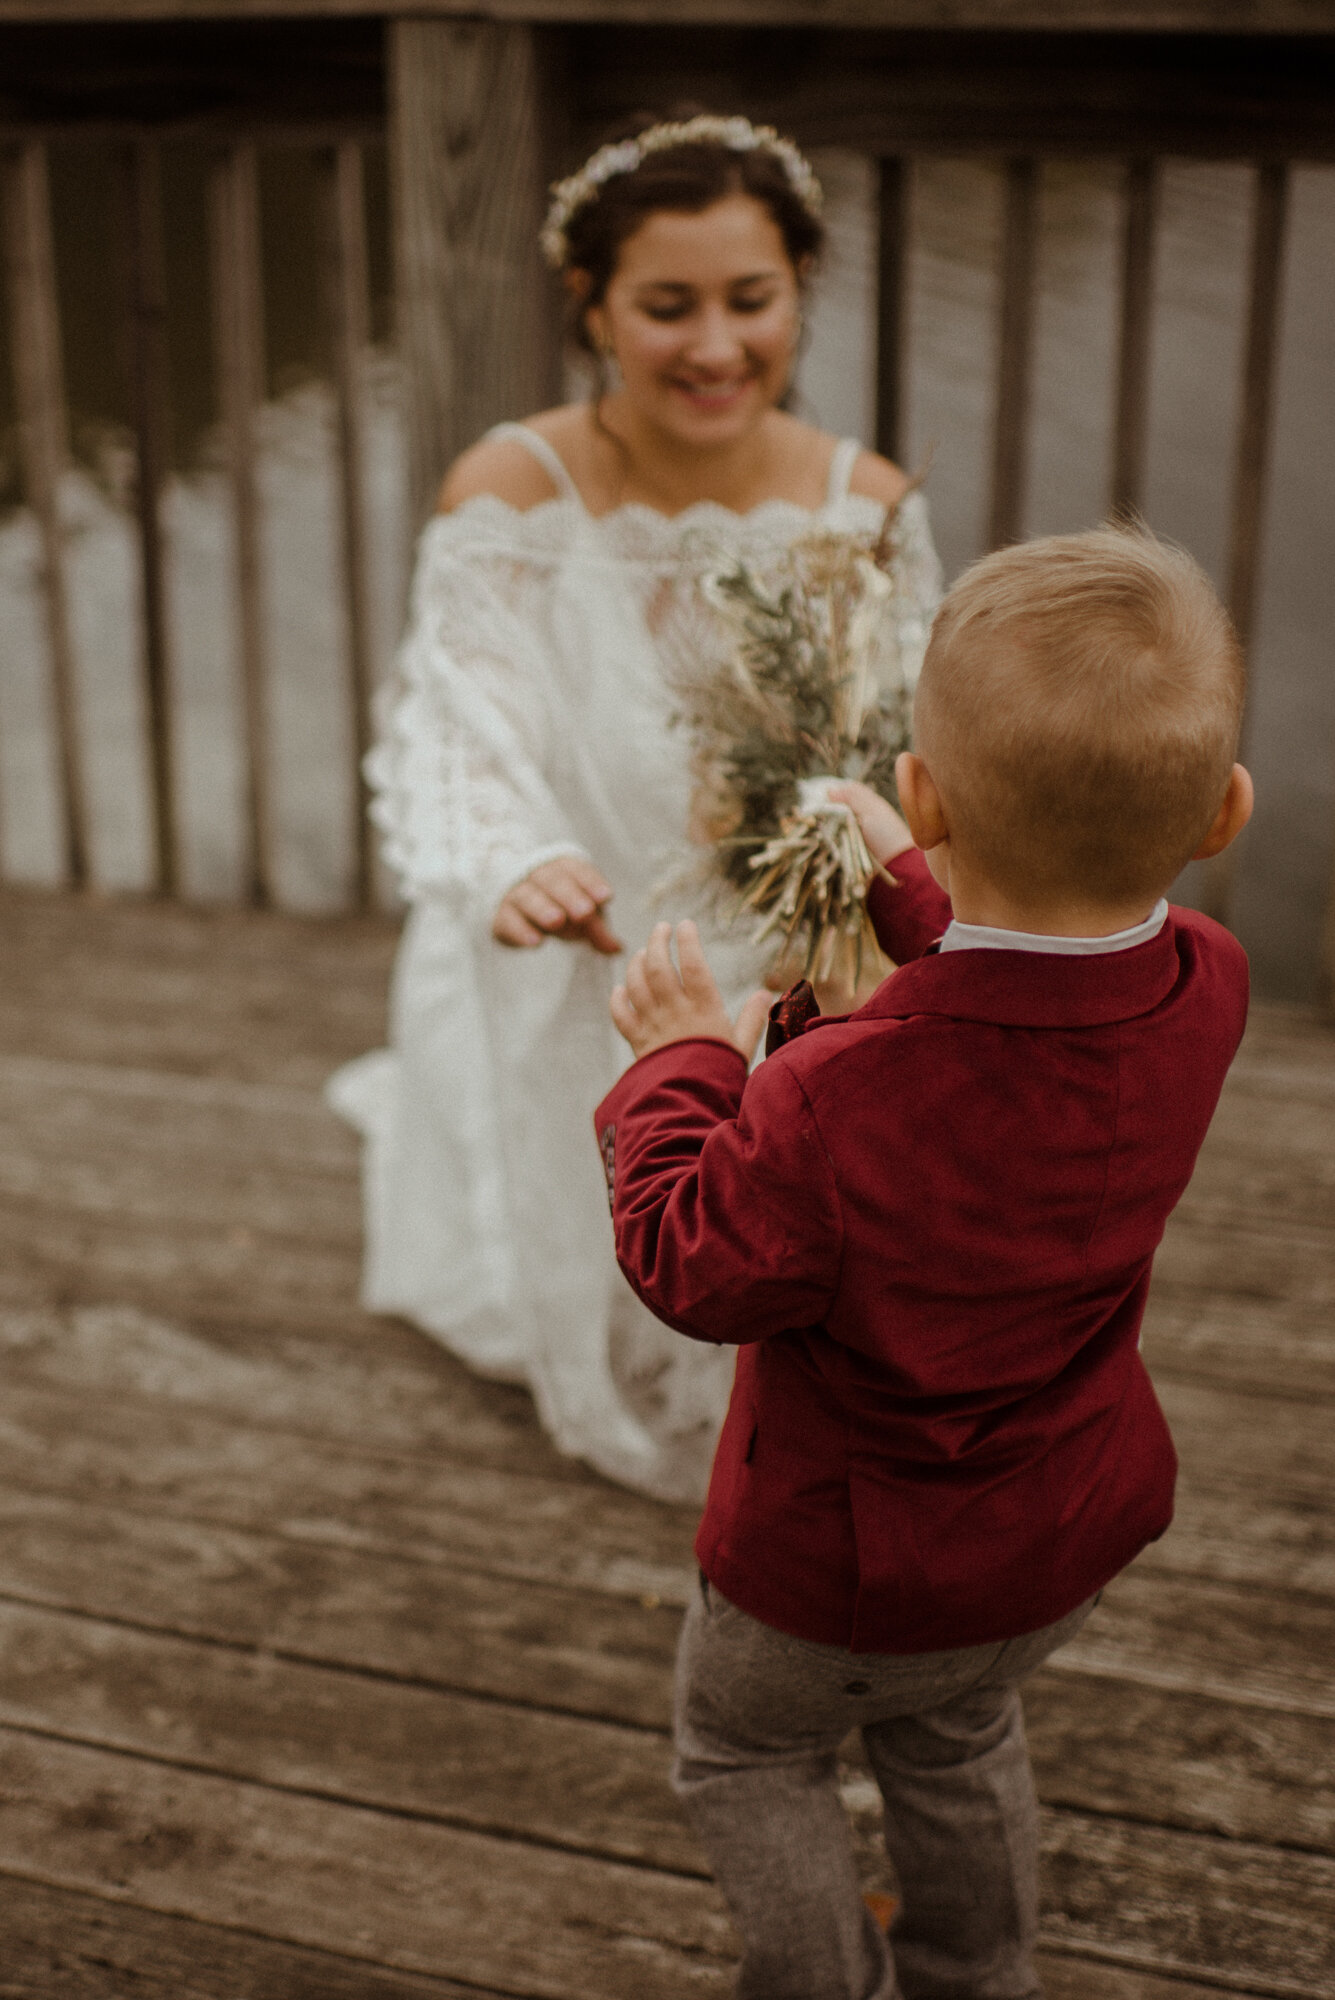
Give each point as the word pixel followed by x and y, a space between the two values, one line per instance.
pixel 984 937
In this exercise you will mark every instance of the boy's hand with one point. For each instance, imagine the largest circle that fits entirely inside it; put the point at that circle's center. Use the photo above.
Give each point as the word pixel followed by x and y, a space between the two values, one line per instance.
pixel 660 1004
pixel 883 830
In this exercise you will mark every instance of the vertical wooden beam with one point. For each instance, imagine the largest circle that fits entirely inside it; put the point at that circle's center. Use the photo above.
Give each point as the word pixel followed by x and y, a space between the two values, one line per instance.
pixel 891 300
pixel 148 351
pixel 343 217
pixel 44 451
pixel 1131 421
pixel 1252 455
pixel 1010 446
pixel 466 180
pixel 238 314
pixel 1251 460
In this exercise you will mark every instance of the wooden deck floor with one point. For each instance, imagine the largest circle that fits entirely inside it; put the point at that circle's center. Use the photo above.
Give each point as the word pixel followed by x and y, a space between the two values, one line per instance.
pixel 323 1678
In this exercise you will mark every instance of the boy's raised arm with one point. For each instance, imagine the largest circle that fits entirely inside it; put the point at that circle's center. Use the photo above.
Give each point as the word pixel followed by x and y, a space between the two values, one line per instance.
pixel 908 910
pixel 723 1199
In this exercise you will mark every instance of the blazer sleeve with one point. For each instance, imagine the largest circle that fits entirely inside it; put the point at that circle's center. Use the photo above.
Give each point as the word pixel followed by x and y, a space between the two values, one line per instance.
pixel 908 910
pixel 724 1204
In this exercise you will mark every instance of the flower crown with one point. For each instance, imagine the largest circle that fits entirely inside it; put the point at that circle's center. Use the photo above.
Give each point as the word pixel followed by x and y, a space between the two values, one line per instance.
pixel 623 156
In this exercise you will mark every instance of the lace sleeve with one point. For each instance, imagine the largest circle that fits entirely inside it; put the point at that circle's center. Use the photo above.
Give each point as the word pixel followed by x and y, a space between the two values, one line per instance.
pixel 918 572
pixel 460 793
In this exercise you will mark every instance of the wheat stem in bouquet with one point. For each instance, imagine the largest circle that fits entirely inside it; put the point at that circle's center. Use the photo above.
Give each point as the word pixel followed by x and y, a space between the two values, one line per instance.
pixel 813 691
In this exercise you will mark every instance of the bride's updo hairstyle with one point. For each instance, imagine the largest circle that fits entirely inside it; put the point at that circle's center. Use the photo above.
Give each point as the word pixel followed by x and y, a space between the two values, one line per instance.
pixel 596 212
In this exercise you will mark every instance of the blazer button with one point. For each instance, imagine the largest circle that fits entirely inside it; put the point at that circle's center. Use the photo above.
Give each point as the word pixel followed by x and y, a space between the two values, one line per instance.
pixel 857 1687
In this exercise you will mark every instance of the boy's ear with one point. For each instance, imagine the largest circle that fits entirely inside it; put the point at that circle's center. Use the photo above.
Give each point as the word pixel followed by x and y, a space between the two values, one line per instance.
pixel 920 801
pixel 1233 814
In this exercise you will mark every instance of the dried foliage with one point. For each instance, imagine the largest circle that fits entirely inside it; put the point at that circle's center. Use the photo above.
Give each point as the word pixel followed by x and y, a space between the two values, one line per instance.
pixel 813 691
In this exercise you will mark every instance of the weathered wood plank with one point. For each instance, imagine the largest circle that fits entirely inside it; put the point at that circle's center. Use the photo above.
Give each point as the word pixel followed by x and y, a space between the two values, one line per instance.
pixel 391 1388
pixel 533 1920
pixel 238 317
pixel 344 267
pixel 1182 1758
pixel 1210 17
pixel 1251 454
pixel 591 1786
pixel 1248 1344
pixel 259 996
pixel 378 1886
pixel 1131 418
pixel 434 1621
pixel 598 1787
pixel 508 1522
pixel 63 1946
pixel 578 1649
pixel 39 396
pixel 891 271
pixel 59 1945
pixel 466 173
pixel 147 289
pixel 1249 1644
pixel 1253 1500
pixel 1214 1250
pixel 1186 1903
pixel 1010 441
pixel 1080 1978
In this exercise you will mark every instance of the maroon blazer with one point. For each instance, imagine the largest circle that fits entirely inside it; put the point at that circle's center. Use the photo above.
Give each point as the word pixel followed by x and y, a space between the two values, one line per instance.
pixel 928 1226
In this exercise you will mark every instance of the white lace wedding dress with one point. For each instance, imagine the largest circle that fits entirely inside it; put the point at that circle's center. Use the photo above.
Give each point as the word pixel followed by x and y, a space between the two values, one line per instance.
pixel 530 716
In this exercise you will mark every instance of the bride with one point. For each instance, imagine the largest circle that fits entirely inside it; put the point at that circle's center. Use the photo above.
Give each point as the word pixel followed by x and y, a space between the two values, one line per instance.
pixel 533 793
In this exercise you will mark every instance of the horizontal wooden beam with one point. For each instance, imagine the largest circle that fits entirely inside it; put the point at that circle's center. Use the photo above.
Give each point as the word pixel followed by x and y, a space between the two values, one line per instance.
pixel 1040 95
pixel 1290 17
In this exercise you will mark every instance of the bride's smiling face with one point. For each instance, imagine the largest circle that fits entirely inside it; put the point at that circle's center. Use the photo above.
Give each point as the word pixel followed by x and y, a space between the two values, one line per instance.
pixel 702 314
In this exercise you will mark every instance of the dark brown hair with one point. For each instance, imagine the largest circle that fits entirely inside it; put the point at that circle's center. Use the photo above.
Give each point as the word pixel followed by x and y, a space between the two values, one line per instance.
pixel 684 179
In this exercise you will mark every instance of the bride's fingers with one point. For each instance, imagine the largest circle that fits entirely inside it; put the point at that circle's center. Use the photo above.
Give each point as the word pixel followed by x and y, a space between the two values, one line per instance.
pixel 571 875
pixel 533 902
pixel 602 939
pixel 510 926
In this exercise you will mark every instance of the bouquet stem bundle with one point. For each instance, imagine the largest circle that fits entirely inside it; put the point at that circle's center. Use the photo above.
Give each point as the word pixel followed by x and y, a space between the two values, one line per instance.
pixel 811 888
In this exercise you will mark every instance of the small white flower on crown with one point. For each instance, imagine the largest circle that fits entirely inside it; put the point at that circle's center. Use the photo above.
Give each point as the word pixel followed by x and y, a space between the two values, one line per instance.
pixel 623 156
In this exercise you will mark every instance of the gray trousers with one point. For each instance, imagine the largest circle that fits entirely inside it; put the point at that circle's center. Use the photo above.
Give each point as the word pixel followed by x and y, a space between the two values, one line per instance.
pixel 759 1720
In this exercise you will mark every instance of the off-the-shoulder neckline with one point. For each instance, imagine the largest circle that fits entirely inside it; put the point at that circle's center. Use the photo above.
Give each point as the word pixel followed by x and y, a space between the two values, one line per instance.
pixel 653 517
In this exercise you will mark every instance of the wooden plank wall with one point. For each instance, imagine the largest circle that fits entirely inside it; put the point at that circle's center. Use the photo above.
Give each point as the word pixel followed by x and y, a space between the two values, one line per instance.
pixel 472 143
pixel 468 177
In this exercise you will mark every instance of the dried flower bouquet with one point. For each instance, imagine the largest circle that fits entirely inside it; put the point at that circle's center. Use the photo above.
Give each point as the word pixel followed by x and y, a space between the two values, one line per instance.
pixel 813 691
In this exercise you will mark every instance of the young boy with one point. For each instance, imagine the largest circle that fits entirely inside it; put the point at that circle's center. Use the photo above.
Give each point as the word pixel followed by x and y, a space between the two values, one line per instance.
pixel 928 1227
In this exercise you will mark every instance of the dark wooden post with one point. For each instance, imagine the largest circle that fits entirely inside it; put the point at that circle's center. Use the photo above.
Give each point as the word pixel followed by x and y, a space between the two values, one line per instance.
pixel 891 265
pixel 467 175
pixel 1010 449
pixel 1252 450
pixel 343 215
pixel 44 450
pixel 148 349
pixel 1131 422
pixel 238 312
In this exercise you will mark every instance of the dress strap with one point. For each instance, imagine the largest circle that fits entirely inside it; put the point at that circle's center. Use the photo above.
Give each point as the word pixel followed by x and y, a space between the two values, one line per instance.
pixel 548 457
pixel 841 470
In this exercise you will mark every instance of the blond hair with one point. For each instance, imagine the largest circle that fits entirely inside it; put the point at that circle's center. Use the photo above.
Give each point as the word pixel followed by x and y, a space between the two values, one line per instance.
pixel 1079 708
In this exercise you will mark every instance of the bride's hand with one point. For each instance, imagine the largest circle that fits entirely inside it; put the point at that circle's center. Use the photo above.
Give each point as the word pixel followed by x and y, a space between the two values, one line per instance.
pixel 562 899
